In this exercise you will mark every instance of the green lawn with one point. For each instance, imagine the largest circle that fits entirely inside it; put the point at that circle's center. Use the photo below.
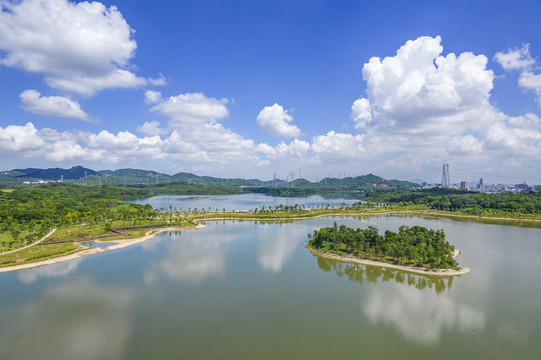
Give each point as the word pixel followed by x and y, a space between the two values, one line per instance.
pixel 37 253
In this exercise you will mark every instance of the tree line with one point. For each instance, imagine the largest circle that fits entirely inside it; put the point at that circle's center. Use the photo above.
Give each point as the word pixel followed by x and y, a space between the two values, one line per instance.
pixel 464 201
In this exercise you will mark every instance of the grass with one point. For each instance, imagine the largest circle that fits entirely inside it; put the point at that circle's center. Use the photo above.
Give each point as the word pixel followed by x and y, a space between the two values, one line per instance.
pixel 5 238
pixel 44 252
pixel 77 232
pixel 38 253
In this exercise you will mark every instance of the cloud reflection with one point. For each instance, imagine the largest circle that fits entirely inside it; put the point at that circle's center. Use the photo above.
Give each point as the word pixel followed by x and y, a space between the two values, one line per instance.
pixel 74 320
pixel 62 269
pixel 420 316
pixel 191 259
pixel 276 247
pixel 415 305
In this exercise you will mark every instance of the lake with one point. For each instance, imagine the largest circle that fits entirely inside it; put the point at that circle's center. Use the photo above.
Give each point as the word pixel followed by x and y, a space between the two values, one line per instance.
pixel 238 202
pixel 250 290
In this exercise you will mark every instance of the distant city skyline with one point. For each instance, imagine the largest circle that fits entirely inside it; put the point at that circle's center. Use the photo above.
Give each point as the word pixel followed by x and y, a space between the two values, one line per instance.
pixel 252 89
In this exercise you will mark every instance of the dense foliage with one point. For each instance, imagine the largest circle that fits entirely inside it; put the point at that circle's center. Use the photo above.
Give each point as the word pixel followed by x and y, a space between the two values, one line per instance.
pixel 464 201
pixel 301 187
pixel 61 204
pixel 415 245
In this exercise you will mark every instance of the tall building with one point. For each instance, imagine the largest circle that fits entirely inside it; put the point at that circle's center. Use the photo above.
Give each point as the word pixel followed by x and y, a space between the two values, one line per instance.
pixel 481 185
pixel 464 185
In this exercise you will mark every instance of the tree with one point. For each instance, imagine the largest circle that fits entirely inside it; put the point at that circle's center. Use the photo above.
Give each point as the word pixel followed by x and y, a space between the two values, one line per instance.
pixel 15 232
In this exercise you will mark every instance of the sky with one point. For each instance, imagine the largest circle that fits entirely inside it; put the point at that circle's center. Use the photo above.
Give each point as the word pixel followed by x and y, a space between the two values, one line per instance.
pixel 292 88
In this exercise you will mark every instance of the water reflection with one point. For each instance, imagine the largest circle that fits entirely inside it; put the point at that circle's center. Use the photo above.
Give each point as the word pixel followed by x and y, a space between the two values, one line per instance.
pixel 373 274
pixel 191 259
pixel 420 316
pixel 62 269
pixel 416 305
pixel 276 247
pixel 72 320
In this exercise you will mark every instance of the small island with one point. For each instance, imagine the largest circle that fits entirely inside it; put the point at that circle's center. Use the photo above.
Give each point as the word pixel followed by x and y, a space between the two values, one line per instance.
pixel 415 249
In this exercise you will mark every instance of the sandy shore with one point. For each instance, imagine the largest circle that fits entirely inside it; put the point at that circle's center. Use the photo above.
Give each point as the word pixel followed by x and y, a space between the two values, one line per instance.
pixel 152 233
pixel 423 271
pixel 89 251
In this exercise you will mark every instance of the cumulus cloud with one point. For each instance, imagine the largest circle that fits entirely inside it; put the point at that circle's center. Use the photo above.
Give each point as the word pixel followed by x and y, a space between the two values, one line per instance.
pixel 521 59
pixel 409 90
pixel 152 97
pixel 295 149
pixel 420 101
pixel 59 106
pixel 515 59
pixel 151 128
pixel 422 107
pixel 517 136
pixel 276 121
pixel 465 145
pixel 361 112
pixel 191 109
pixel 335 145
pixel 531 81
pixel 14 138
pixel 81 47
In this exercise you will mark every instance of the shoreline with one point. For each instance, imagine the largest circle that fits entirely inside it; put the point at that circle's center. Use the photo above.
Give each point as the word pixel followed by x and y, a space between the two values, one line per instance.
pixel 416 270
pixel 89 251
pixel 153 232
pixel 393 212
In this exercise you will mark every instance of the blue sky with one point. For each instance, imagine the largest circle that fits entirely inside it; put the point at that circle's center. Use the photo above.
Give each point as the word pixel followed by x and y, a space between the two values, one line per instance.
pixel 253 88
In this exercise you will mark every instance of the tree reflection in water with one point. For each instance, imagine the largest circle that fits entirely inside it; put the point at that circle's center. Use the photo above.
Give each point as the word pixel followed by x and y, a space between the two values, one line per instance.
pixel 366 273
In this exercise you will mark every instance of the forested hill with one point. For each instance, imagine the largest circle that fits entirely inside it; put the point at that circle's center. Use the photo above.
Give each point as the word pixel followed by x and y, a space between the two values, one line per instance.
pixel 464 201
pixel 144 178
pixel 360 185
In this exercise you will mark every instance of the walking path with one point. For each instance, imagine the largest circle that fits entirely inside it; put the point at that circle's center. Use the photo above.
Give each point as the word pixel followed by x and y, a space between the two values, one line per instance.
pixel 26 247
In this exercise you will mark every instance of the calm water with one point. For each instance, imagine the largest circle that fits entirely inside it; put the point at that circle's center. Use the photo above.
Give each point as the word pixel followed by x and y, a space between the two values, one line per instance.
pixel 246 290
pixel 237 202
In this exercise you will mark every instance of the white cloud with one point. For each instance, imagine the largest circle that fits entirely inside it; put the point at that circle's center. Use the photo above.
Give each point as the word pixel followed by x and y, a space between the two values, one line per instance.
pixel 337 145
pixel 421 108
pixel 152 97
pixel 517 136
pixel 421 104
pixel 151 128
pixel 176 145
pixel 14 138
pixel 409 92
pixel 361 112
pixel 531 81
pixel 81 47
pixel 159 81
pixel 190 109
pixel 59 106
pixel 296 149
pixel 275 121
pixel 515 59
pixel 465 145
pixel 520 59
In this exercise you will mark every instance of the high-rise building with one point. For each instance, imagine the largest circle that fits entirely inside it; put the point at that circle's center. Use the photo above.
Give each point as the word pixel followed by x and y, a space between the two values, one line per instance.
pixel 464 185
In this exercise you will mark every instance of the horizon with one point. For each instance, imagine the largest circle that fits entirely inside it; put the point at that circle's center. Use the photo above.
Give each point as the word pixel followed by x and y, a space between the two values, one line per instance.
pixel 470 182
pixel 254 90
